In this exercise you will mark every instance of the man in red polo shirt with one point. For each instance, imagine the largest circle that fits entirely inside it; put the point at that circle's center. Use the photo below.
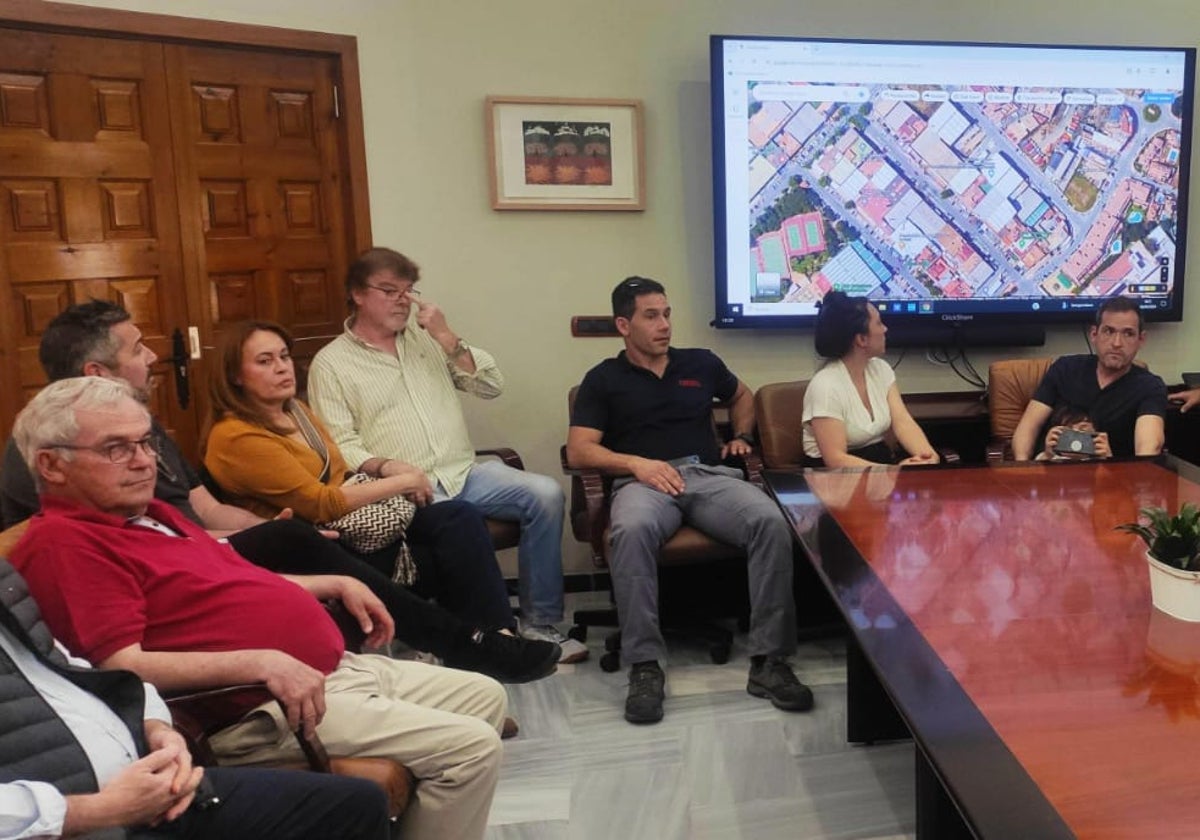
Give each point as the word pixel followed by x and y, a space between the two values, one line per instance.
pixel 128 582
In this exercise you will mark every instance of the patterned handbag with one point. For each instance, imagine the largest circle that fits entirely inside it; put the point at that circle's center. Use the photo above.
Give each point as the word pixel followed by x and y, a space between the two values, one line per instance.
pixel 372 526
pixel 376 525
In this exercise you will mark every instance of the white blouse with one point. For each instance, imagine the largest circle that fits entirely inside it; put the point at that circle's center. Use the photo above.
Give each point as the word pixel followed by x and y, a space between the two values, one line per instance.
pixel 831 394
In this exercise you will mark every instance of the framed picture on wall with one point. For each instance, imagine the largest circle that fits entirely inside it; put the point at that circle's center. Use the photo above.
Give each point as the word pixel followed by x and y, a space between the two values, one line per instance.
pixel 565 154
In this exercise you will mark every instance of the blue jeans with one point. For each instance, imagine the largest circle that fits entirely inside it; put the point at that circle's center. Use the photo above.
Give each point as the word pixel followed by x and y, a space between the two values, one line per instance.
pixel 538 503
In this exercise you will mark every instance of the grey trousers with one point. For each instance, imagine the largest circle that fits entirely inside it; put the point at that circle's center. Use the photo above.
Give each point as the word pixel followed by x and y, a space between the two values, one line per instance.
pixel 718 502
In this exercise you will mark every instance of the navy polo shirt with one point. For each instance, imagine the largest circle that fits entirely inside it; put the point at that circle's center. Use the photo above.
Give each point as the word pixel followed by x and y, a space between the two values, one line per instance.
pixel 641 414
pixel 1070 383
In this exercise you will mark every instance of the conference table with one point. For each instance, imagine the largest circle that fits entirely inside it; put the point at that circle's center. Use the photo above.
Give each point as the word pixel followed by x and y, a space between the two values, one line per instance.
pixel 996 613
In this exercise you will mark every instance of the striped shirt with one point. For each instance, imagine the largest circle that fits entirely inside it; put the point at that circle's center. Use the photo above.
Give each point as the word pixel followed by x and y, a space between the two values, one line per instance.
pixel 402 406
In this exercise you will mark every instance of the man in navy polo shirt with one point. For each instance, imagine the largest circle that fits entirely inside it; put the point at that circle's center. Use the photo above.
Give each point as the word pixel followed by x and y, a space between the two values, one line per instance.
pixel 1124 401
pixel 645 417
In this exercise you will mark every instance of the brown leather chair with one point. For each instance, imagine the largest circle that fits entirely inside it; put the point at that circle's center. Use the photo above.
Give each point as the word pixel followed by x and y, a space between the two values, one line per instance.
pixel 589 509
pixel 1011 384
pixel 199 715
pixel 779 409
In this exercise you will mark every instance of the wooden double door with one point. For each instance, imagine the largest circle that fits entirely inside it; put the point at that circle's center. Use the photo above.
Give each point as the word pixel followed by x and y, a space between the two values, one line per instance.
pixel 195 185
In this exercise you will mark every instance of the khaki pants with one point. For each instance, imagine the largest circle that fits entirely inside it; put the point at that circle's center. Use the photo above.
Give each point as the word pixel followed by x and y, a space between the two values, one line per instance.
pixel 442 724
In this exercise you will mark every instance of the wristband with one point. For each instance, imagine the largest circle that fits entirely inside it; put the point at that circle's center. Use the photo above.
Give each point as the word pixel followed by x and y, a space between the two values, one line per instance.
pixel 746 438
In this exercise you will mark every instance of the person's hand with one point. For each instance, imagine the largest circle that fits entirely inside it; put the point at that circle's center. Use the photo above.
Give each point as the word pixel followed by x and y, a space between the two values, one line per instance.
pixel 372 616
pixel 300 688
pixel 658 474
pixel 409 481
pixel 736 447
pixel 431 318
pixel 160 736
pixel 144 792
pixel 1100 441
pixel 921 459
pixel 1052 437
pixel 1189 399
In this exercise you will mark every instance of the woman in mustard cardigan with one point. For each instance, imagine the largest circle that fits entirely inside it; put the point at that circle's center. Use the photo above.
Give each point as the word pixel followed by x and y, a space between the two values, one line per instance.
pixel 257 451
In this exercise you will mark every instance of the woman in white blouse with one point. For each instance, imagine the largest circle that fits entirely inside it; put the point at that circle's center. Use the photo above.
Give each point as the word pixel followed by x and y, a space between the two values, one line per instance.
pixel 852 401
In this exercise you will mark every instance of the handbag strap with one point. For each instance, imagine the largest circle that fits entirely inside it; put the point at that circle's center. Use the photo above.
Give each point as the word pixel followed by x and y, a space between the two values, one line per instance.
pixel 311 436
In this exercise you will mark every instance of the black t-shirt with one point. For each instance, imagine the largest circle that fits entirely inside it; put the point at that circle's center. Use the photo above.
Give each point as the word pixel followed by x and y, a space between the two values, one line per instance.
pixel 176 479
pixel 641 414
pixel 1070 384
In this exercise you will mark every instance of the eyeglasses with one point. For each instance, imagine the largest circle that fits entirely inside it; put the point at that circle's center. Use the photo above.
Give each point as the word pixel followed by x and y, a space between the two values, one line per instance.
pixel 1129 333
pixel 118 451
pixel 394 294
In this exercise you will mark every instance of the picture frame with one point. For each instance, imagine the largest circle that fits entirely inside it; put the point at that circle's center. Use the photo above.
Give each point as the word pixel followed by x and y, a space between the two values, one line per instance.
pixel 552 153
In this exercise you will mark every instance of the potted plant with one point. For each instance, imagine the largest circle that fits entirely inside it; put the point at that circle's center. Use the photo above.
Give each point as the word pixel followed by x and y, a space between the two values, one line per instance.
pixel 1173 554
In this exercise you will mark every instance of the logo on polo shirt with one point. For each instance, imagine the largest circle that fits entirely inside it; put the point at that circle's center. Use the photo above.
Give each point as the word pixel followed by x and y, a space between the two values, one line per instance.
pixel 690 383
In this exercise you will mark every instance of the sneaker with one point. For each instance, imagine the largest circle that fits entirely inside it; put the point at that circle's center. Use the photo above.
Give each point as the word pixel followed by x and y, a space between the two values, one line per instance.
pixel 772 677
pixel 572 650
pixel 509 659
pixel 644 703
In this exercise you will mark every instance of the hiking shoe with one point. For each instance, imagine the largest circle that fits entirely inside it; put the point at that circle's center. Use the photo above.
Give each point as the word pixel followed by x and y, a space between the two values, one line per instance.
pixel 572 650
pixel 644 704
pixel 509 659
pixel 773 678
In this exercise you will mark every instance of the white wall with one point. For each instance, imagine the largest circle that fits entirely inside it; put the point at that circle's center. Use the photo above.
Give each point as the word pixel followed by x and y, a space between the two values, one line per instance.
pixel 510 281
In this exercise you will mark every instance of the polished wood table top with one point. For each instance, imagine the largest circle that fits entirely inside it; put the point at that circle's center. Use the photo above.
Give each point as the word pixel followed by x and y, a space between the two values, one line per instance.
pixel 1011 616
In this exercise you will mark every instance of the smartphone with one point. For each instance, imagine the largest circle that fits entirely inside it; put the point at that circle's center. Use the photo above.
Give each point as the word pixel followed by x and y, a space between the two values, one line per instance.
pixel 1075 442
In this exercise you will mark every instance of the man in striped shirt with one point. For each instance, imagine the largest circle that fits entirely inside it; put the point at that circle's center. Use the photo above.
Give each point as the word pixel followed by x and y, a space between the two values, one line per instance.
pixel 388 395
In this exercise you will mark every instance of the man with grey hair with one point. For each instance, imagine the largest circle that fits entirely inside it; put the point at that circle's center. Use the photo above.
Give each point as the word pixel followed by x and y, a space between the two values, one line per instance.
pixel 128 582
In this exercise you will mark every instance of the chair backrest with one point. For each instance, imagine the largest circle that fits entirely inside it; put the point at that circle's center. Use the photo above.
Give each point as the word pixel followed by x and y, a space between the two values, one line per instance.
pixel 779 409
pixel 1011 384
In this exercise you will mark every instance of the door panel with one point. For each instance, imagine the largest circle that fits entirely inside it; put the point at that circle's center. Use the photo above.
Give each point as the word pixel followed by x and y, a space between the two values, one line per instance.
pixel 87 198
pixel 260 145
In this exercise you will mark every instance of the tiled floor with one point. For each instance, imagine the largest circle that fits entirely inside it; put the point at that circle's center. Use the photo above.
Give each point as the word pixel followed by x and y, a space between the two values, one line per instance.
pixel 721 764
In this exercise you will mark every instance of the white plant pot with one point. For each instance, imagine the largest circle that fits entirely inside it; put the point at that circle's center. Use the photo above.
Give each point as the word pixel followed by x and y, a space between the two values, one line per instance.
pixel 1174 591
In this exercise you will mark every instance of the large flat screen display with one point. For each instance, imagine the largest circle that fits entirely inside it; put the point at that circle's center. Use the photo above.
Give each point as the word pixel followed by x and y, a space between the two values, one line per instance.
pixel 948 183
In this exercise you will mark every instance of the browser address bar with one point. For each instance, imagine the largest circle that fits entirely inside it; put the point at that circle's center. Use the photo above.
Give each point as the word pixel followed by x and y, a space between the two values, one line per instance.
pixel 811 93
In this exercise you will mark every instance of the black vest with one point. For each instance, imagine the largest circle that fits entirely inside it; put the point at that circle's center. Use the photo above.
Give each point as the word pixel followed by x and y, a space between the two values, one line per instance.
pixel 35 745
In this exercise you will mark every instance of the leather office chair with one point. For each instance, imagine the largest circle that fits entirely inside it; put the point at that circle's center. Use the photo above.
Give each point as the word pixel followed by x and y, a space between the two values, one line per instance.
pixel 1011 384
pixel 779 409
pixel 589 509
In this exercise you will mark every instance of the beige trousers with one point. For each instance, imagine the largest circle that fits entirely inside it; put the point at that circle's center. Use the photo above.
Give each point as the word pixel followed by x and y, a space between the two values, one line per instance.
pixel 440 723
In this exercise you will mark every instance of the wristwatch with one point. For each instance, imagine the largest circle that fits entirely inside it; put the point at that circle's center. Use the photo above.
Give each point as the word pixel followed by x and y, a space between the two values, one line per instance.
pixel 460 349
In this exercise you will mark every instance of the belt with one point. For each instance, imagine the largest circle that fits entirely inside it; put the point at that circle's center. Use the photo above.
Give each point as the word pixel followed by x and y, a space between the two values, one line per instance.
pixel 685 461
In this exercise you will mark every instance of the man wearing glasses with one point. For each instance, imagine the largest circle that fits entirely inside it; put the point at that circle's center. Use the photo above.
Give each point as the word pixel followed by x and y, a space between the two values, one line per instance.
pixel 1123 400
pixel 388 393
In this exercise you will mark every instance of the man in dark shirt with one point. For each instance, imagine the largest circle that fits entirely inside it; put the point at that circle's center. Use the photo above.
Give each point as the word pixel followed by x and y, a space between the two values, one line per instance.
pixel 646 417
pixel 1123 401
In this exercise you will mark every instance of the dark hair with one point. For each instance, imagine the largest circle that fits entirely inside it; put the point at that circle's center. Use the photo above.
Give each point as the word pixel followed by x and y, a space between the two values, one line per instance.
pixel 1069 415
pixel 839 320
pixel 228 398
pixel 373 261
pixel 1120 304
pixel 626 293
pixel 81 334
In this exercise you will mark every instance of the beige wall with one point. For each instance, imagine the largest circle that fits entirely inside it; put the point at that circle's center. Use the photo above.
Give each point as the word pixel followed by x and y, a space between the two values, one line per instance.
pixel 510 280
